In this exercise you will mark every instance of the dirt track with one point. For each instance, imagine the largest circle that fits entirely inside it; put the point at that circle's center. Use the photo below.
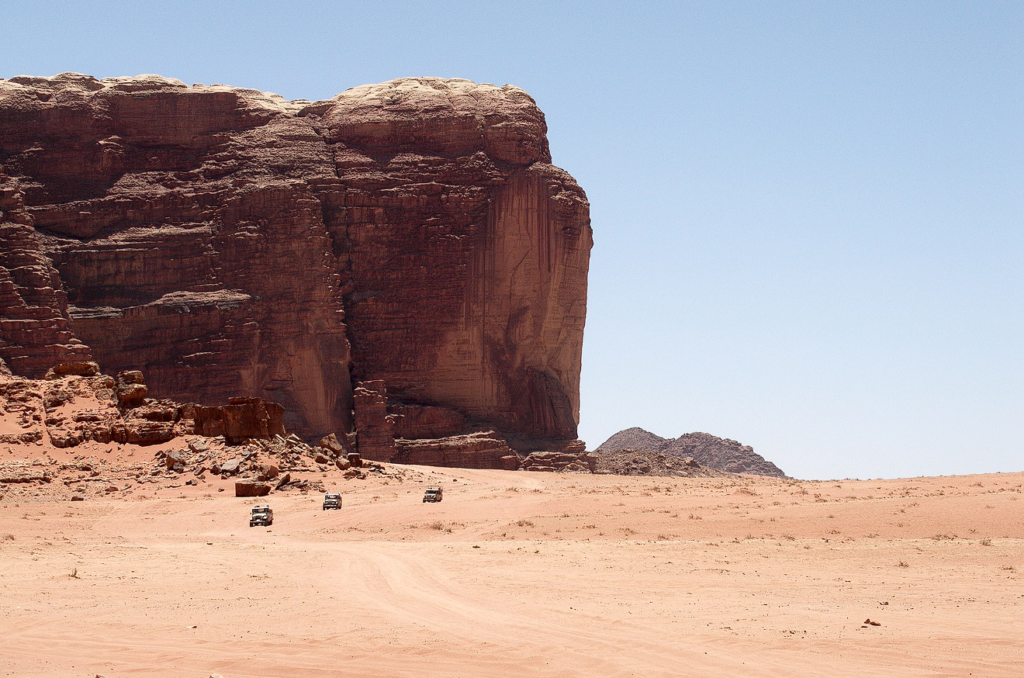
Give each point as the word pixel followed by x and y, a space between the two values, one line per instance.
pixel 534 574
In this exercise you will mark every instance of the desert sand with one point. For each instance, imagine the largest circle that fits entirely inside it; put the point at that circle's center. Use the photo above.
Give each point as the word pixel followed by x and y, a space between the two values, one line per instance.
pixel 521 573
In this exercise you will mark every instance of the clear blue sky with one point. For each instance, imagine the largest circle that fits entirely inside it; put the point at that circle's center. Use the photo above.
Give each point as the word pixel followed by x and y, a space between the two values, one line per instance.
pixel 809 216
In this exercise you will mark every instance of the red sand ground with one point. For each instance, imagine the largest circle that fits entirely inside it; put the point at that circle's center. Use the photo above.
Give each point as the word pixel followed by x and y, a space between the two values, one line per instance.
pixel 525 573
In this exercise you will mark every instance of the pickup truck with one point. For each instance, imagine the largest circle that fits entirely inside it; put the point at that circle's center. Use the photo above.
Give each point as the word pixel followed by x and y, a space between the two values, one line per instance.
pixel 433 494
pixel 332 501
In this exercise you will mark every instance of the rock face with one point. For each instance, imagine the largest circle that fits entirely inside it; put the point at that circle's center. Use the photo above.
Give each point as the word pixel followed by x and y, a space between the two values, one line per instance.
pixel 230 243
pixel 705 449
pixel 240 419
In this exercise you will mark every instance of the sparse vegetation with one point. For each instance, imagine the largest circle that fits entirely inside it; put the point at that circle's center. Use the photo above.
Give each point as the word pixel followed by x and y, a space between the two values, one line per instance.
pixel 902 563
pixel 523 522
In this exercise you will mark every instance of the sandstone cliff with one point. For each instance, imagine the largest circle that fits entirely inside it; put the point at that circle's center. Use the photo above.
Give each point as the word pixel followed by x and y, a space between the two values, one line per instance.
pixel 707 450
pixel 228 242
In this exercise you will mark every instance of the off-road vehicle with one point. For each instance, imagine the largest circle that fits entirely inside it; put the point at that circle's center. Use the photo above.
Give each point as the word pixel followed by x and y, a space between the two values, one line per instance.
pixel 261 515
pixel 433 494
pixel 332 501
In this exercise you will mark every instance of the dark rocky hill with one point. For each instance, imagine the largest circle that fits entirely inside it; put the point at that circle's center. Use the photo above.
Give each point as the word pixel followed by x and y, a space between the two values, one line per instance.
pixel 722 454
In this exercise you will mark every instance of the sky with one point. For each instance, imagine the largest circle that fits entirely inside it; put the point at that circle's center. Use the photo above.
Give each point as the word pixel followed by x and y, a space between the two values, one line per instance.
pixel 808 216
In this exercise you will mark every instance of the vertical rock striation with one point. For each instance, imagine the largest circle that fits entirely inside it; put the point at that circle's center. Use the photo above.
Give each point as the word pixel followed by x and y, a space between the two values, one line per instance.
pixel 230 243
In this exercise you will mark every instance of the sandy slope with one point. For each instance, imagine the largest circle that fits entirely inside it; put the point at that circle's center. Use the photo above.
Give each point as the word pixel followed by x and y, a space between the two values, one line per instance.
pixel 520 573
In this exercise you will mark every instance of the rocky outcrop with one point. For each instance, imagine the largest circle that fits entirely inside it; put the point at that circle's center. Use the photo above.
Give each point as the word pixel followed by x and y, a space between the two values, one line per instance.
pixel 722 453
pixel 705 449
pixel 566 462
pixel 230 243
pixel 647 463
pixel 75 404
pixel 241 419
pixel 634 438
pixel 477 449
pixel 376 428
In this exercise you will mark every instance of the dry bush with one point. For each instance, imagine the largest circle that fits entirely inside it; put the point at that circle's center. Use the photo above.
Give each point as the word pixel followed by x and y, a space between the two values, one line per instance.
pixel 523 522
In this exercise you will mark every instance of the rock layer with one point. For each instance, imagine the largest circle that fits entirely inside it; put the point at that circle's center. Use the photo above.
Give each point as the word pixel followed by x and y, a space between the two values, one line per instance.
pixel 230 243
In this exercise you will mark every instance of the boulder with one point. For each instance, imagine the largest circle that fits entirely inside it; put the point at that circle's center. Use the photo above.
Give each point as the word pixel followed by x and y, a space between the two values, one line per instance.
pixel 175 460
pixel 251 488
pixel 230 467
pixel 268 471
pixel 331 443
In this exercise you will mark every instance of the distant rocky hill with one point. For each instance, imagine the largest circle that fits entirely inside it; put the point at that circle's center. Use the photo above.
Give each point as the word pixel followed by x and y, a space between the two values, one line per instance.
pixel 707 450
pixel 634 438
pixel 647 463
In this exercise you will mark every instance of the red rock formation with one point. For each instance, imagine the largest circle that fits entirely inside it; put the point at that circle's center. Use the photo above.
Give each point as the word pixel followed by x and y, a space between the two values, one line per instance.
pixel 241 419
pixel 75 404
pixel 35 332
pixel 476 449
pixel 425 421
pixel 228 242
pixel 376 429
